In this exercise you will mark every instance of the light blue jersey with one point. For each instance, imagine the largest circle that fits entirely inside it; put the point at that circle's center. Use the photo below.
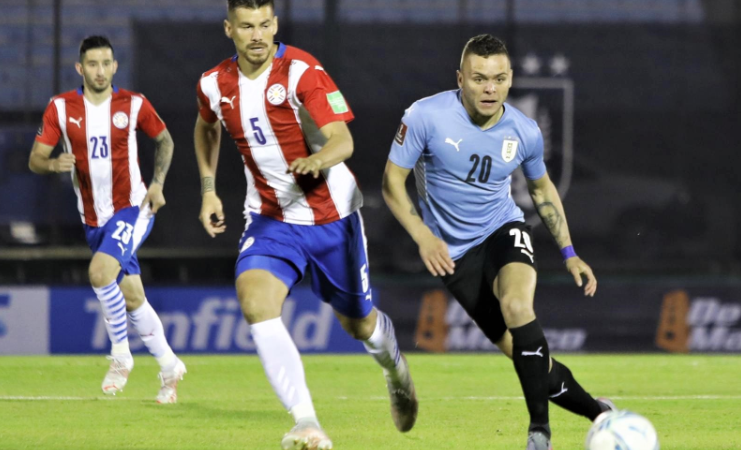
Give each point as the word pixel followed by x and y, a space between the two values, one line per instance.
pixel 463 173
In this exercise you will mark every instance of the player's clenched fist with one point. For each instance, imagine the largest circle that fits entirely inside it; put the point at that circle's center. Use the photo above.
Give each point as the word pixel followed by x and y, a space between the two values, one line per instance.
pixel 64 163
pixel 212 214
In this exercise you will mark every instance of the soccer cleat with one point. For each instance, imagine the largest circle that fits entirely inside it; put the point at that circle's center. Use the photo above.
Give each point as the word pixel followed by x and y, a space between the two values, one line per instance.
pixel 169 391
pixel 117 375
pixel 403 396
pixel 306 435
pixel 537 440
pixel 606 404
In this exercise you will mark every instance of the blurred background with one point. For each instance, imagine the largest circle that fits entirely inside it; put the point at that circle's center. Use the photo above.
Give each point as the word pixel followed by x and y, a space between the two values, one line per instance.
pixel 639 102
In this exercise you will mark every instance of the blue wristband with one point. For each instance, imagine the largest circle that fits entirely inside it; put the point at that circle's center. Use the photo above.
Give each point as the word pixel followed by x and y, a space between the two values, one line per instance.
pixel 568 252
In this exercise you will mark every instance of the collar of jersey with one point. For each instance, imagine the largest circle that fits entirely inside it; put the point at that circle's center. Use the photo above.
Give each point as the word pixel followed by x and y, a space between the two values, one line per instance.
pixel 278 54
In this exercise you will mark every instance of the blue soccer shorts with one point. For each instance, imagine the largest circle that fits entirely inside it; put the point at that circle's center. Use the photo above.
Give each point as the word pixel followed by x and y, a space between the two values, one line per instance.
pixel 122 236
pixel 335 254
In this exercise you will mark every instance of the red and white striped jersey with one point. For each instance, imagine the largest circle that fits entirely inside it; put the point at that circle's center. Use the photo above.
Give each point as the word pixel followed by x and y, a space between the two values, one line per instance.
pixel 102 137
pixel 274 120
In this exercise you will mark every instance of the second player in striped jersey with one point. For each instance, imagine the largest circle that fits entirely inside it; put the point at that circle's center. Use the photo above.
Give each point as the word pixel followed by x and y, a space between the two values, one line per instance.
pixel 288 120
pixel 97 124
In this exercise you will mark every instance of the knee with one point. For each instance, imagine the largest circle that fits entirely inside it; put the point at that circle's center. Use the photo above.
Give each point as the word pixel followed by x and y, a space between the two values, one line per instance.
pixel 261 295
pixel 257 309
pixel 517 311
pixel 99 277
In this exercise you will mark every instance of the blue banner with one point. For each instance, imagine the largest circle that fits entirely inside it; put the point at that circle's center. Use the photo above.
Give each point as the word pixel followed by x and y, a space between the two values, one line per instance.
pixel 196 320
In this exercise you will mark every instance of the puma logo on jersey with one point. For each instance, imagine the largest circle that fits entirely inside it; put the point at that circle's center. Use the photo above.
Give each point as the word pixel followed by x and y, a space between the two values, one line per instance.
pixel 76 121
pixel 123 249
pixel 535 353
pixel 453 143
pixel 227 100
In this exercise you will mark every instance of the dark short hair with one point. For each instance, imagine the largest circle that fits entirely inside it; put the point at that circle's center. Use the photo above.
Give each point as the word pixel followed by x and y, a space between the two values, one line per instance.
pixel 252 4
pixel 91 42
pixel 484 45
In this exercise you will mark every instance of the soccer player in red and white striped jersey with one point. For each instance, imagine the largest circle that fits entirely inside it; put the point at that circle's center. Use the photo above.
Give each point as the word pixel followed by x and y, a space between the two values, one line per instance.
pixel 97 124
pixel 288 120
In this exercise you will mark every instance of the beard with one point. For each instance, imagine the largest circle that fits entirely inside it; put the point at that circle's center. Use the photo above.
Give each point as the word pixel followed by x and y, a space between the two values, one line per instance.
pixel 256 60
pixel 98 89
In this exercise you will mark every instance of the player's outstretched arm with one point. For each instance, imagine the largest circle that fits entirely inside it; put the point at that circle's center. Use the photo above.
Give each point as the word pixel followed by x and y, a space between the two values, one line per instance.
pixel 164 148
pixel 548 203
pixel 338 148
pixel 207 138
pixel 41 163
pixel 432 250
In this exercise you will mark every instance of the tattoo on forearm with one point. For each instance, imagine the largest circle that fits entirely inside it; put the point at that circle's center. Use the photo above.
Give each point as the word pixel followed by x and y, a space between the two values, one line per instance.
pixel 207 185
pixel 552 220
pixel 162 159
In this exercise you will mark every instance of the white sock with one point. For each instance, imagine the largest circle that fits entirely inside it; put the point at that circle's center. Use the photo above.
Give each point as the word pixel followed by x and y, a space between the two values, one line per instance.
pixel 148 325
pixel 114 311
pixel 383 347
pixel 283 367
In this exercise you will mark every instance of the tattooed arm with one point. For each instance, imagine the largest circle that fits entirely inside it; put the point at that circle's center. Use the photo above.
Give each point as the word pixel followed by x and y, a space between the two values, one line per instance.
pixel 432 250
pixel 548 203
pixel 162 157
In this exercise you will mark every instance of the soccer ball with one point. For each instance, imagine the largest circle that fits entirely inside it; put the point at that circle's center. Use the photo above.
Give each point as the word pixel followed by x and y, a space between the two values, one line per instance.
pixel 621 430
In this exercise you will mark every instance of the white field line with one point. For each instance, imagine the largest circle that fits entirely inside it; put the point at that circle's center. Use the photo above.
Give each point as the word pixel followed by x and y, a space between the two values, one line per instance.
pixel 384 398
pixel 501 398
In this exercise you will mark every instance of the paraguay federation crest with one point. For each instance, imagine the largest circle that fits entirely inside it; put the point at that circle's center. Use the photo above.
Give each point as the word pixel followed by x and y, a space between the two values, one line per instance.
pixel 509 148
pixel 276 94
pixel 120 120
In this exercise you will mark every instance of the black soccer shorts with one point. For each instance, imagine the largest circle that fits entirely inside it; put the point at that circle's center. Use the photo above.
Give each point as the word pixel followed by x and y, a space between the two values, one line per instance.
pixel 473 280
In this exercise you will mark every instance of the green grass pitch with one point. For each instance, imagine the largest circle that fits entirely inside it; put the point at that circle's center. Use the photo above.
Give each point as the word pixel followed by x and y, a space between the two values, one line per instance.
pixel 466 402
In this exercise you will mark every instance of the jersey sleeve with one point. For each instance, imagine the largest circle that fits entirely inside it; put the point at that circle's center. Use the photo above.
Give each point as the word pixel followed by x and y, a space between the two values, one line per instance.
pixel 533 166
pixel 49 132
pixel 322 98
pixel 410 139
pixel 204 105
pixel 149 121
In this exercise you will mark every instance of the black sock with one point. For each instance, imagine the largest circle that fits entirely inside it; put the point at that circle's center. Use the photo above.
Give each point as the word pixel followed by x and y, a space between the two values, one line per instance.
pixel 531 357
pixel 567 393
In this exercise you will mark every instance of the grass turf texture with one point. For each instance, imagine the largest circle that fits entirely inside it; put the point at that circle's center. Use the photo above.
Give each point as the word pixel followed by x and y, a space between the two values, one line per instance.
pixel 466 402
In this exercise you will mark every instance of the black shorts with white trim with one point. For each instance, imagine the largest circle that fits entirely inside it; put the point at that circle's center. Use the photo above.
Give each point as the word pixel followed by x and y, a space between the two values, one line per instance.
pixel 472 283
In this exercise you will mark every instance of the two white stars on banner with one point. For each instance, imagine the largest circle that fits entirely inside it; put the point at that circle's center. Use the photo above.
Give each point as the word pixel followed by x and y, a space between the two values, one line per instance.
pixel 558 64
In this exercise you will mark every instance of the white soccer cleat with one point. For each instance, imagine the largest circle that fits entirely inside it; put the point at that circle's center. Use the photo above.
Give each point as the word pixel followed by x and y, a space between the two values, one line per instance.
pixel 306 435
pixel 169 391
pixel 117 375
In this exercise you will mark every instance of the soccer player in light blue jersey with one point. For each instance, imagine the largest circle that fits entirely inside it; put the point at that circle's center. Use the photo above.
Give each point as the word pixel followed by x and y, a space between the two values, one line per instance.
pixel 464 145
